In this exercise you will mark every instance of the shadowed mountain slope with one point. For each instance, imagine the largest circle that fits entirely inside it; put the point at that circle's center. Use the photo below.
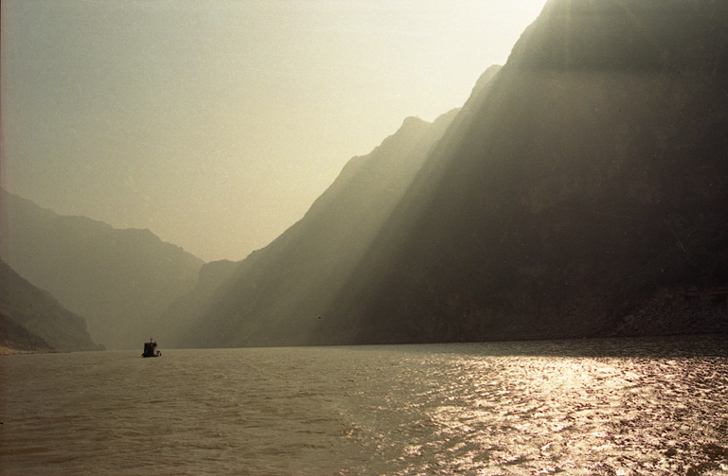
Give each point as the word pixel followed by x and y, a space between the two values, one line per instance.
pixel 32 320
pixel 586 195
pixel 277 295
pixel 175 322
pixel 117 279
pixel 15 338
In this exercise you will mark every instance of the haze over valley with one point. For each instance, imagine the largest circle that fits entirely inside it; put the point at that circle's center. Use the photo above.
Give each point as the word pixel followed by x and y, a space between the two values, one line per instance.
pixel 216 125
pixel 580 190
pixel 368 237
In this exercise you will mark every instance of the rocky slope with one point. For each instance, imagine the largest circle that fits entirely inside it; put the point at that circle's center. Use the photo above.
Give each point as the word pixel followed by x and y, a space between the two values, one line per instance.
pixel 585 196
pixel 16 339
pixel 176 321
pixel 31 320
pixel 119 279
pixel 277 295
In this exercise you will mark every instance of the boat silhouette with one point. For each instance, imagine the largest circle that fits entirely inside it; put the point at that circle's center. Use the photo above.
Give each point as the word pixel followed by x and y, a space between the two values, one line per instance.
pixel 150 349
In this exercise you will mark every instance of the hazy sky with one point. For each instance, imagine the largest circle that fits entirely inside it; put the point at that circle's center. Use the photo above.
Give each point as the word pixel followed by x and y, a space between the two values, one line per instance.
pixel 216 124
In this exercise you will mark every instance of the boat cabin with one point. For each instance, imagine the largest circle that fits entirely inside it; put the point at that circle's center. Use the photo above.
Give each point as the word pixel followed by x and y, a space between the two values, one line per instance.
pixel 150 349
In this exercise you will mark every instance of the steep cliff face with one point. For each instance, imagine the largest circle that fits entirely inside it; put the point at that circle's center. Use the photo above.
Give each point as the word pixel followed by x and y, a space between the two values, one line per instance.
pixel 118 279
pixel 277 295
pixel 32 320
pixel 16 339
pixel 174 323
pixel 585 196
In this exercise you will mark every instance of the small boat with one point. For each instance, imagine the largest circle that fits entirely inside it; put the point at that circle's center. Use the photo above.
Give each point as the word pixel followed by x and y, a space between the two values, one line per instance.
pixel 150 349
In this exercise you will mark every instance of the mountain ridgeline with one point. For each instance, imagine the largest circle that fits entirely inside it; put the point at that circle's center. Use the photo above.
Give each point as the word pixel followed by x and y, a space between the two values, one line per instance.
pixel 119 280
pixel 31 320
pixel 276 296
pixel 580 192
pixel 587 196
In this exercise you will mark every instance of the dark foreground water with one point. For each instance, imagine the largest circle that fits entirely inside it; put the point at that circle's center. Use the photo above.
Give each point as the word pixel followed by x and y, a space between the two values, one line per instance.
pixel 652 407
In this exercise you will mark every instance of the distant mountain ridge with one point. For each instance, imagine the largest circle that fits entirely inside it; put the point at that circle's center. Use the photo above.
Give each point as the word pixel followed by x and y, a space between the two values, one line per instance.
pixel 118 279
pixel 16 339
pixel 585 197
pixel 276 295
pixel 176 320
pixel 32 320
pixel 580 192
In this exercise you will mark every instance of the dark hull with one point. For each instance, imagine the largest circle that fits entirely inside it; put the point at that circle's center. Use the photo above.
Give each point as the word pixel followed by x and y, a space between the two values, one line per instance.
pixel 150 349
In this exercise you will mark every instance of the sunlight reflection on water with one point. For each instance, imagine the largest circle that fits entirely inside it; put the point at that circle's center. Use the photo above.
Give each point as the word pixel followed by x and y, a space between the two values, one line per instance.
pixel 601 407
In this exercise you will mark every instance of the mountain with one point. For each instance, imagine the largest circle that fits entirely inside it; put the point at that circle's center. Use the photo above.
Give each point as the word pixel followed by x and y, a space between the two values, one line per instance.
pixel 119 279
pixel 15 338
pixel 277 295
pixel 31 320
pixel 180 316
pixel 586 195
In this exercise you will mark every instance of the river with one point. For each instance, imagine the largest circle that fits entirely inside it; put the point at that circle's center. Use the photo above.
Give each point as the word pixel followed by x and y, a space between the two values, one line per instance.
pixel 587 407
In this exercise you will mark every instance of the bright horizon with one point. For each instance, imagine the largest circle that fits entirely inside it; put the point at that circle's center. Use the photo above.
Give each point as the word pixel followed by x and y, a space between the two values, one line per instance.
pixel 216 125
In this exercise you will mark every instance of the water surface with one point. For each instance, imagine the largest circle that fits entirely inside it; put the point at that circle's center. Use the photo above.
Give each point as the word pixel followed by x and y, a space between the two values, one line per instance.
pixel 611 407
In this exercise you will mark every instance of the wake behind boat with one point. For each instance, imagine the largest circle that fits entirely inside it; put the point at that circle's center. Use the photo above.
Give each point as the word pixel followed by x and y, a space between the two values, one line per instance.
pixel 150 349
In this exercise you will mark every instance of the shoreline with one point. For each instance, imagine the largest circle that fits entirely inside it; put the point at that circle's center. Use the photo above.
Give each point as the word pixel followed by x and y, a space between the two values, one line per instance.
pixel 11 351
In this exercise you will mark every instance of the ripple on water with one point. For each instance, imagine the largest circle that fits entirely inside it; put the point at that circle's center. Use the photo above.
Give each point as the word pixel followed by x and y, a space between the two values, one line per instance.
pixel 473 409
